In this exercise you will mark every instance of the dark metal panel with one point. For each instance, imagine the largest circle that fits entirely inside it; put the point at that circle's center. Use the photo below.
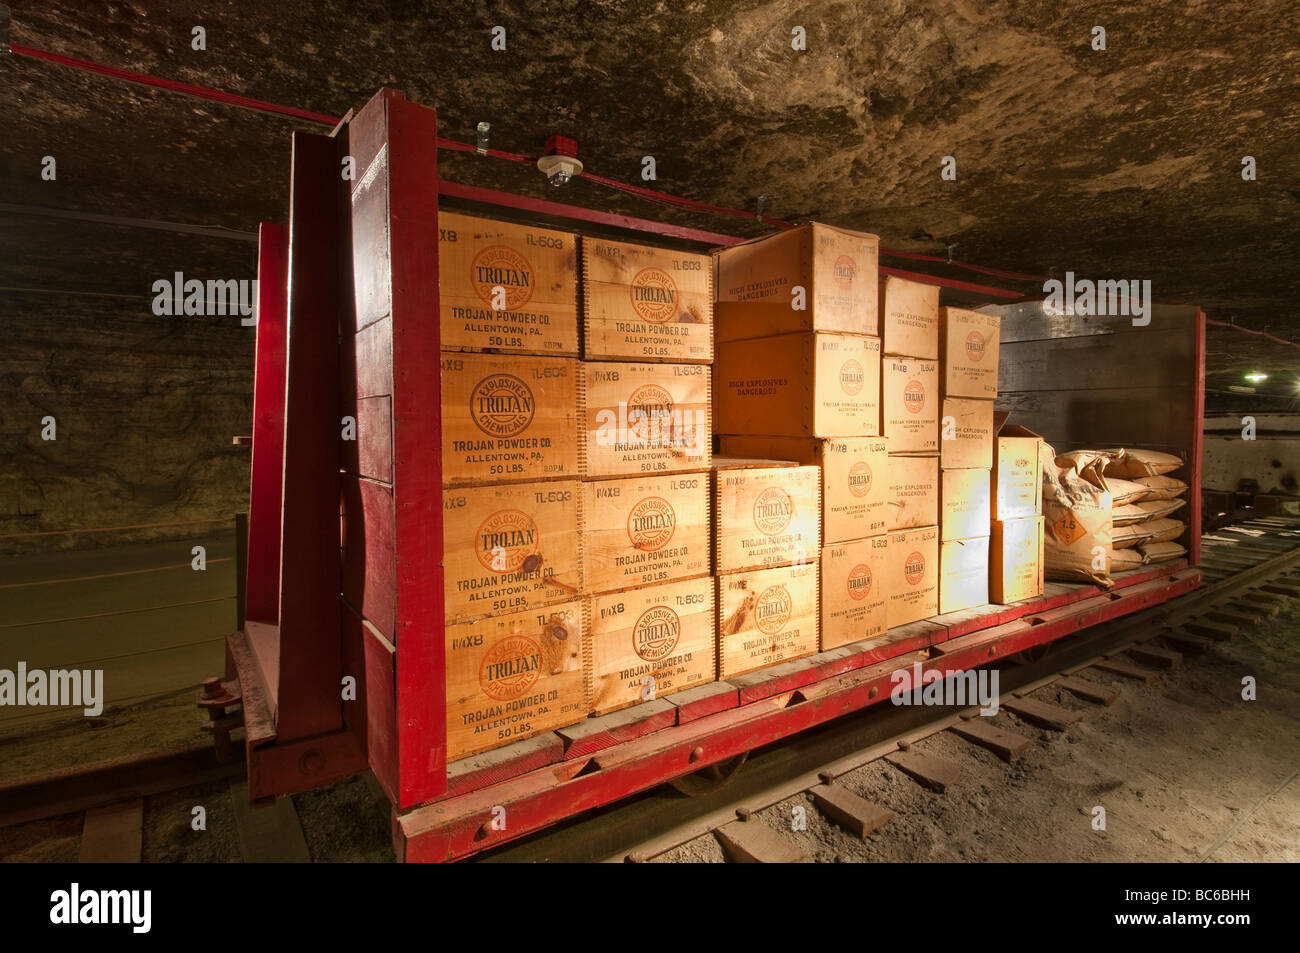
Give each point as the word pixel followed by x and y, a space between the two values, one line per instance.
pixel 309 701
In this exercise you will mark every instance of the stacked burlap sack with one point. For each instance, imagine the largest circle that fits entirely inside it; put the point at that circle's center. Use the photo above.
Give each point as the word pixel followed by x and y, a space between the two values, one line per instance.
pixel 1109 511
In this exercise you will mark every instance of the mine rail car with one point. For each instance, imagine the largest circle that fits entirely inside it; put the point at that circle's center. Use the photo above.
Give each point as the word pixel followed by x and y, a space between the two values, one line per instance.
pixel 347 320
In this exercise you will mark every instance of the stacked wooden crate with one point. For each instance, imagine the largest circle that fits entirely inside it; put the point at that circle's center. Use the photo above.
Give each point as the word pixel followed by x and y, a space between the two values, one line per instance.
pixel 797 379
pixel 1016 544
pixel 647 347
pixel 968 357
pixel 512 459
pixel 909 315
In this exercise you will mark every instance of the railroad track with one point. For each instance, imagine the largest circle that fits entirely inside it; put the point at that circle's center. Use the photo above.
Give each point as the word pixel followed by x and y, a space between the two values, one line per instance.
pixel 1252 571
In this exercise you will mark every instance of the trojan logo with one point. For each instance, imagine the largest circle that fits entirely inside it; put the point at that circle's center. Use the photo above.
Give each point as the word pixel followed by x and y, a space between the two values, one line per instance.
pixel 655 633
pixel 772 609
pixel 651 406
pixel 510 668
pixel 975 347
pixel 859 583
pixel 506 541
pixel 651 524
pixel 772 510
pixel 502 405
pixel 914 568
pixel 851 377
pixel 499 266
pixel 654 295
pixel 844 271
pixel 860 479
pixel 914 397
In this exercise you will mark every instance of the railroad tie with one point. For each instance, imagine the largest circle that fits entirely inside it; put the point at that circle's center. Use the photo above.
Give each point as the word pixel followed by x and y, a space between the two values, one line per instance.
pixel 1255 596
pixel 1186 641
pixel 1119 667
pixel 1007 745
pixel 841 806
pixel 1156 657
pixel 1217 631
pixel 925 769
pixel 1259 609
pixel 1052 717
pixel 113 834
pixel 1239 619
pixel 1094 692
pixel 1282 587
pixel 269 833
pixel 753 842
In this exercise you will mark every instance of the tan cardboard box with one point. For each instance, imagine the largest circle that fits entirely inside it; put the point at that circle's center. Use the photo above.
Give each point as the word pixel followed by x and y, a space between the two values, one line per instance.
pixel 1016 560
pixel 963 574
pixel 969 353
pixel 913 495
pixel 647 643
pixel 854 602
pixel 909 314
pixel 766 513
pixel 798 385
pixel 510 547
pixel 503 287
pixel 642 303
pixel 836 268
pixel 912 575
pixel 766 616
pixel 966 434
pixel 1017 470
pixel 640 531
pixel 646 418
pixel 964 504
pixel 910 399
pixel 855 478
pixel 509 418
pixel 513 676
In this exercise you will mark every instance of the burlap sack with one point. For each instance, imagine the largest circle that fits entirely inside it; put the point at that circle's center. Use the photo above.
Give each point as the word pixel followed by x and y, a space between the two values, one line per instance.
pixel 1076 519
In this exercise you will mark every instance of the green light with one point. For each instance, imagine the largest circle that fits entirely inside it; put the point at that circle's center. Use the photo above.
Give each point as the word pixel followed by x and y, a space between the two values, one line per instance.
pixel 1256 377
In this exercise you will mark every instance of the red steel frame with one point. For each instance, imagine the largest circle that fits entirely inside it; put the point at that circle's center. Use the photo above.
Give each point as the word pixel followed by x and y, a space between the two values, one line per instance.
pixel 358 265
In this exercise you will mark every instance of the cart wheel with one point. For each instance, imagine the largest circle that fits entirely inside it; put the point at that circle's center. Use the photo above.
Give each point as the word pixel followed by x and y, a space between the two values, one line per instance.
pixel 707 780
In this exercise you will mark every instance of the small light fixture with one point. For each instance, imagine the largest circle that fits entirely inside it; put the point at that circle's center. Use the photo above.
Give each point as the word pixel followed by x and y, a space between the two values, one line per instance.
pixel 1256 377
pixel 559 161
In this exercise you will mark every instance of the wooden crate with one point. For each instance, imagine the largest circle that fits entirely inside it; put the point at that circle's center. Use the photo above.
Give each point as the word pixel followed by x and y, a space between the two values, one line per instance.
pixel 837 269
pixel 909 318
pixel 646 418
pixel 640 531
pixel 510 418
pixel 910 401
pixel 854 601
pixel 799 385
pixel 514 676
pixel 913 493
pixel 912 578
pixel 966 434
pixel 765 513
pixel 511 547
pixel 964 509
pixel 641 303
pixel 508 288
pixel 963 573
pixel 855 478
pixel 1016 559
pixel 766 616
pixel 647 643
pixel 968 358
